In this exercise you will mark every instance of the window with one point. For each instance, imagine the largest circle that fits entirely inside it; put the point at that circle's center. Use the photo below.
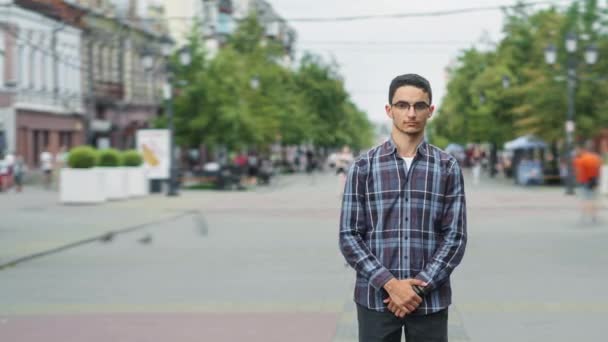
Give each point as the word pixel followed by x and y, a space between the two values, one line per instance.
pixel 69 74
pixel 225 6
pixel 42 66
pixel 64 73
pixel 104 63
pixel 22 66
pixel 98 55
pixel 45 138
pixel 36 146
pixel 48 61
pixel 32 63
pixel 65 139
pixel 2 58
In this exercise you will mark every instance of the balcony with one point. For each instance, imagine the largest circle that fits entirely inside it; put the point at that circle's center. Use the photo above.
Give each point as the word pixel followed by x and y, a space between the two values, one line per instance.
pixel 109 91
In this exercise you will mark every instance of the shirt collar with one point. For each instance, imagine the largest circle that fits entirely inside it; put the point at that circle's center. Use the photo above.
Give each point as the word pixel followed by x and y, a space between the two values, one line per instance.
pixel 390 147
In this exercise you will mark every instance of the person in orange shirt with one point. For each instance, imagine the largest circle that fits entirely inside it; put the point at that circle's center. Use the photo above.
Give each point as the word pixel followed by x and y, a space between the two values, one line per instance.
pixel 587 165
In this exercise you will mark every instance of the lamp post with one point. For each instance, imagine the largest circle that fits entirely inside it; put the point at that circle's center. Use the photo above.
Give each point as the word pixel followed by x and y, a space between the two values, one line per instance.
pixel 591 56
pixel 168 70
pixel 506 82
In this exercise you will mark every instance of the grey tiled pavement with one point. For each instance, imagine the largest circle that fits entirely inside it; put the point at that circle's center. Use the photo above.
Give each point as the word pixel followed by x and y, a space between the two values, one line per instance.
pixel 532 271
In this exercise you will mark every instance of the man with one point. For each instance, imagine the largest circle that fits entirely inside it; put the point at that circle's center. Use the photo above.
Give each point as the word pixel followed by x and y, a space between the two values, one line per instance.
pixel 403 225
pixel 8 171
pixel 18 173
pixel 46 164
pixel 587 165
pixel 343 161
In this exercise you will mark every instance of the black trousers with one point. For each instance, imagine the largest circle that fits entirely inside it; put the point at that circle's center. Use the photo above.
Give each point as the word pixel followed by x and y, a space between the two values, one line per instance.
pixel 377 326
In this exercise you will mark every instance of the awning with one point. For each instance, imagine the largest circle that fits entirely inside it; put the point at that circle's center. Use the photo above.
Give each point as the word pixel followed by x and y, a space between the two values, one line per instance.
pixel 526 142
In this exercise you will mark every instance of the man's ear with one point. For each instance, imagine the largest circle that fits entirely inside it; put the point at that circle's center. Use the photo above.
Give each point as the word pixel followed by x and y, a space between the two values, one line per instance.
pixel 387 108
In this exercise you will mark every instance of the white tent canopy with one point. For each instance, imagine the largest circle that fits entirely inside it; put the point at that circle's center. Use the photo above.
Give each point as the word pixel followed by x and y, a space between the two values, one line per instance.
pixel 454 148
pixel 525 142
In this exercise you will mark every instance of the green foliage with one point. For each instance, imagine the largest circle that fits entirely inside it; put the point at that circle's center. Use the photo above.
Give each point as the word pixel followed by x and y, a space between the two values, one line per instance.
pixel 82 157
pixel 245 96
pixel 108 158
pixel 536 100
pixel 131 158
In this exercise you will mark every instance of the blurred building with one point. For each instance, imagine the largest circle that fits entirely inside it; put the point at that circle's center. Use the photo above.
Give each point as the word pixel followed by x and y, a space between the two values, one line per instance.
pixel 71 73
pixel 41 94
pixel 126 97
pixel 181 15
pixel 275 27
pixel 219 18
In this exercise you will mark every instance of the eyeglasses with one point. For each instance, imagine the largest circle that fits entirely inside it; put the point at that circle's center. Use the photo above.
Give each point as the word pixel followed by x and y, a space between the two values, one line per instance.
pixel 405 106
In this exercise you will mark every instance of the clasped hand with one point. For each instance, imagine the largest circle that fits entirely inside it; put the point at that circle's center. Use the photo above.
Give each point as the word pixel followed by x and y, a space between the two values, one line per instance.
pixel 402 299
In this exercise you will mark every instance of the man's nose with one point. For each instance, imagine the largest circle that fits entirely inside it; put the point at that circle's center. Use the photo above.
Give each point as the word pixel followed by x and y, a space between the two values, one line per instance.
pixel 411 112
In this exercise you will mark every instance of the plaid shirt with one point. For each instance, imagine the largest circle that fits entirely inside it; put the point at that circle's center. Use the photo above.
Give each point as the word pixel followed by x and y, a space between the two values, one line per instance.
pixel 403 223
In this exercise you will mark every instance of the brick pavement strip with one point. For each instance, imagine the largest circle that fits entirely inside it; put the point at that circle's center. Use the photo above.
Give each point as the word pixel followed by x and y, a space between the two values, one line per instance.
pixel 162 327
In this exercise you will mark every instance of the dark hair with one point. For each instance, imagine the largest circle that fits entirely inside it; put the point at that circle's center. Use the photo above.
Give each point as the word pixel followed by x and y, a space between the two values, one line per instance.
pixel 413 80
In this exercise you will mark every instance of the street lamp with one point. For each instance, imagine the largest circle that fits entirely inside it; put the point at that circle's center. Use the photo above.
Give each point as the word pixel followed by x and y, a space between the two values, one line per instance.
pixel 254 83
pixel 185 57
pixel 168 70
pixel 591 56
pixel 506 82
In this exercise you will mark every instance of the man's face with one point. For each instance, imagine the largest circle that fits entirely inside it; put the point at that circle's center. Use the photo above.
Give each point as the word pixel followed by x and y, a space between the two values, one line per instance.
pixel 410 110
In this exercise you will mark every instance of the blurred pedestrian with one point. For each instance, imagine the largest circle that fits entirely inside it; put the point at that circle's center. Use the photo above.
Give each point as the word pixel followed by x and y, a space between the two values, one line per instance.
pixel 403 225
pixel 61 161
pixel 46 165
pixel 476 161
pixel 310 161
pixel 3 173
pixel 18 173
pixel 9 160
pixel 343 161
pixel 240 168
pixel 253 165
pixel 302 161
pixel 266 170
pixel 587 165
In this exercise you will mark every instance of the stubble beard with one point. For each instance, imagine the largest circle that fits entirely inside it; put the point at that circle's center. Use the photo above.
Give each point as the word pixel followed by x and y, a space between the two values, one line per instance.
pixel 411 134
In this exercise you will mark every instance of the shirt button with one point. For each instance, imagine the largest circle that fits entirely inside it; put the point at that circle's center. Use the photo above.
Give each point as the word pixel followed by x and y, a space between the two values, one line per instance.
pixel 407 199
pixel 407 219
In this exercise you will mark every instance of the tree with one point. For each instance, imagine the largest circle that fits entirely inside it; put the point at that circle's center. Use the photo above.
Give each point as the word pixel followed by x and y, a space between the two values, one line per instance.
pixel 478 108
pixel 245 97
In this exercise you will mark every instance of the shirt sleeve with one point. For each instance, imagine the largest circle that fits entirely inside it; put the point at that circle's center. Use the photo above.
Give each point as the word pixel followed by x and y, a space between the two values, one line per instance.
pixel 353 227
pixel 454 228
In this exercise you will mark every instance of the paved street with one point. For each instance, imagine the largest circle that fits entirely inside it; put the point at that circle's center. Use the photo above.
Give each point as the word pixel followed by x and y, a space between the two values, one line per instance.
pixel 264 265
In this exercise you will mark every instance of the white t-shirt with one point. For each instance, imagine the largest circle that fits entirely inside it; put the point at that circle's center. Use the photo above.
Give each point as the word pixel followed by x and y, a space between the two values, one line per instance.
pixel 46 161
pixel 408 162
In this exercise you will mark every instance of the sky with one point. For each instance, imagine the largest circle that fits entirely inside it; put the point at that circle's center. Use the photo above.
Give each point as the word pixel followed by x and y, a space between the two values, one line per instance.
pixel 372 52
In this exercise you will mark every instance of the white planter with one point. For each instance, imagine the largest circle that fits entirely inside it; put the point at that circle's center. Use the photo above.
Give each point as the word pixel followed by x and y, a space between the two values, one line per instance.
pixel 81 186
pixel 137 182
pixel 116 182
pixel 604 180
